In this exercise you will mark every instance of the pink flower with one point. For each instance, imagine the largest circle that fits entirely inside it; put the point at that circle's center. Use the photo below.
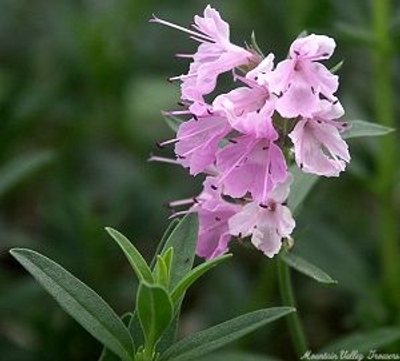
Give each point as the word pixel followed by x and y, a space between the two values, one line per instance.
pixel 318 145
pixel 215 55
pixel 214 214
pixel 267 223
pixel 300 81
pixel 253 165
pixel 197 141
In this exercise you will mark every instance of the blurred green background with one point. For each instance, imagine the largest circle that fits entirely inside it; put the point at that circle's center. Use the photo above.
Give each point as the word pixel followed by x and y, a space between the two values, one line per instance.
pixel 82 84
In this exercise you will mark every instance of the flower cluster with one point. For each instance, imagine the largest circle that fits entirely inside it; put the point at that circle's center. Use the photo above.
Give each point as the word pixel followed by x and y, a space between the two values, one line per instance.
pixel 243 140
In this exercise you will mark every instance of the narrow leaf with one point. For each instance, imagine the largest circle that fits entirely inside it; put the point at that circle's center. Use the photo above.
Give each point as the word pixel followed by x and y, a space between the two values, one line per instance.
pixel 307 268
pixel 361 128
pixel 215 337
pixel 337 67
pixel 301 187
pixel 21 167
pixel 106 354
pixel 255 45
pixel 183 240
pixel 195 274
pixel 79 301
pixel 161 272
pixel 134 257
pixel 365 342
pixel 160 246
pixel 155 311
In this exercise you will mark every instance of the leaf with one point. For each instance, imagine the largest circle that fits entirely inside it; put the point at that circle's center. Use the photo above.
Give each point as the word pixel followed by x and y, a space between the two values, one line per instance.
pixel 79 301
pixel 161 272
pixel 21 167
pixel 106 354
pixel 255 45
pixel 367 341
pixel 307 268
pixel 361 128
pixel 155 311
pixel 236 356
pixel 301 186
pixel 134 257
pixel 215 337
pixel 164 238
pixel 195 274
pixel 183 240
pixel 337 67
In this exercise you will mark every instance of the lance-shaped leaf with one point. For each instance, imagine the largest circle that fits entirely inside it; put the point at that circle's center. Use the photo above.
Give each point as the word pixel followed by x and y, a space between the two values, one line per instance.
pixel 361 128
pixel 134 257
pixel 161 272
pixel 79 301
pixel 164 238
pixel 155 311
pixel 306 268
pixel 183 240
pixel 193 275
pixel 106 354
pixel 215 337
pixel 365 342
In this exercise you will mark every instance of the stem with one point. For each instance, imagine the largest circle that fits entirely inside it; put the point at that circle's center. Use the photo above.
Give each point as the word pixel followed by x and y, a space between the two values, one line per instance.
pixel 387 158
pixel 293 320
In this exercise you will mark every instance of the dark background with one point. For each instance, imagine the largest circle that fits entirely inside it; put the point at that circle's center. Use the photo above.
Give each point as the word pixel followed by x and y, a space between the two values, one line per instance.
pixel 82 84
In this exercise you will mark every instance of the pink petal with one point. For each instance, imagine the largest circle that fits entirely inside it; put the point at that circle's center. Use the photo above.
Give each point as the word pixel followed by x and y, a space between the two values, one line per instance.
pixel 319 148
pixel 313 47
pixel 198 142
pixel 251 165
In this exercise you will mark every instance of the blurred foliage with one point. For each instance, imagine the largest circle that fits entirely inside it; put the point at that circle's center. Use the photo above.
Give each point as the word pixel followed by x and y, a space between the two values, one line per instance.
pixel 82 84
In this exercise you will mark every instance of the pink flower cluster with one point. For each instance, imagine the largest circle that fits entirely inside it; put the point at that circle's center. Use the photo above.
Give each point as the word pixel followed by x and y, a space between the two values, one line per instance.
pixel 243 140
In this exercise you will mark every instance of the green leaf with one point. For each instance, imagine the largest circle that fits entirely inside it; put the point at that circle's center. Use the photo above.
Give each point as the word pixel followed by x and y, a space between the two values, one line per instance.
pixel 161 272
pixel 168 256
pixel 155 311
pixel 193 275
pixel 79 301
pixel 183 240
pixel 367 341
pixel 236 356
pixel 301 186
pixel 215 337
pixel 164 238
pixel 307 268
pixel 134 257
pixel 172 122
pixel 106 354
pixel 21 167
pixel 337 67
pixel 361 128
pixel 255 45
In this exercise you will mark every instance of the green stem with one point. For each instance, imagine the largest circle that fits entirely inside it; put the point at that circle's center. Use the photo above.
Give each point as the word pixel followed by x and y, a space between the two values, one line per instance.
pixel 387 161
pixel 293 320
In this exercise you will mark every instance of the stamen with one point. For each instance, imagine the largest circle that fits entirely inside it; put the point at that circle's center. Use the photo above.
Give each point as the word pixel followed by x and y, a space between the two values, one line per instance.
pixel 155 19
pixel 181 202
pixel 154 158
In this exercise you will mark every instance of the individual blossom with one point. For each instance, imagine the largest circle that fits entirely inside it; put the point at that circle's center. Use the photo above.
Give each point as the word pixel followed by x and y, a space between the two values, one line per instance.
pixel 214 213
pixel 197 141
pixel 300 82
pixel 318 144
pixel 252 162
pixel 267 223
pixel 214 56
